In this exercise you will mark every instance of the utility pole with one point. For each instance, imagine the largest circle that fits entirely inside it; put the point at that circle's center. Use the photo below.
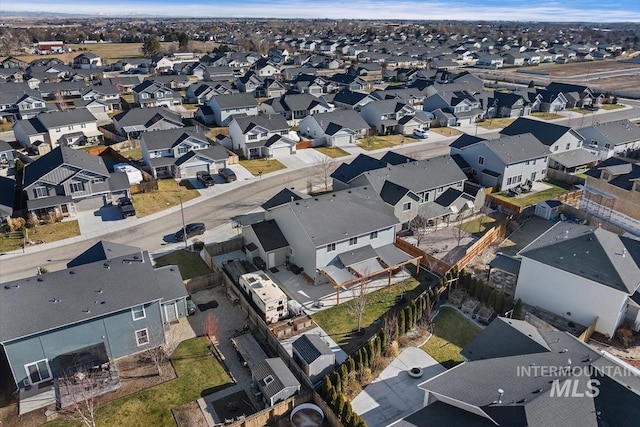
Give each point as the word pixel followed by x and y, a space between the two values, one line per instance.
pixel 184 228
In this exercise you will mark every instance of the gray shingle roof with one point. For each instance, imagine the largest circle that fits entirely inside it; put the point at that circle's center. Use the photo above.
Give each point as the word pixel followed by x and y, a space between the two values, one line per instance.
pixel 598 255
pixel 284 196
pixel 547 133
pixel 271 122
pixel 517 148
pixel 84 292
pixel 342 118
pixel 616 133
pixel 341 215
pixel 54 119
pixel 169 138
pixel 143 116
pixel 346 172
pixel 269 235
pixel 235 100
pixel 278 371
pixel 7 195
pixel 101 251
pixel 311 346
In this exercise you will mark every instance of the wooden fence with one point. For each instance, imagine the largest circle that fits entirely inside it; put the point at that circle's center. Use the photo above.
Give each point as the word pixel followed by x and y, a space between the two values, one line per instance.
pixel 199 283
pixel 571 198
pixel 497 233
pixel 428 261
pixel 584 337
pixel 219 248
pixel 144 187
pixel 564 177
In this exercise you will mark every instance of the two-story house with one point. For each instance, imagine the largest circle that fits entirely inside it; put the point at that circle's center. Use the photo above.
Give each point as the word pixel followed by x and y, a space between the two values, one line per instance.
pixel 181 153
pixel 383 116
pixel 48 130
pixel 295 107
pixel 107 94
pixel 133 122
pixel 87 61
pixel 261 136
pixel 109 303
pixel 348 100
pixel 578 96
pixel 506 162
pixel 612 192
pixel 65 181
pixel 18 101
pixel 503 104
pixel 340 237
pixel 564 143
pixel 334 129
pixel 572 259
pixel 150 93
pixel 201 93
pixel 611 138
pixel 224 107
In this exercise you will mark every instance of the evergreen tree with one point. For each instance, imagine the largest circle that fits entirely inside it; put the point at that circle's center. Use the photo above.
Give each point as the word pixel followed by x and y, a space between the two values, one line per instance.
pixel 500 303
pixel 491 301
pixel 359 366
pixel 484 296
pixel 408 316
pixel 371 349
pixel 401 323
pixel 339 404
pixel 383 340
pixel 518 310
pixel 472 286
pixel 351 364
pixel 336 380
pixel 478 290
pixel 151 47
pixel 365 358
pixel 344 374
pixel 325 389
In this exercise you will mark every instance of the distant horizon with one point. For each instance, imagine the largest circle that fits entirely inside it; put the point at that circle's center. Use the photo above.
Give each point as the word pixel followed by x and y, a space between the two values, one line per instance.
pixel 586 11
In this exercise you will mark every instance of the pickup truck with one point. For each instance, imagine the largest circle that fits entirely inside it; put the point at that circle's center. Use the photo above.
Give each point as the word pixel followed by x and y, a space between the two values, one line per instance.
pixel 126 207
pixel 205 178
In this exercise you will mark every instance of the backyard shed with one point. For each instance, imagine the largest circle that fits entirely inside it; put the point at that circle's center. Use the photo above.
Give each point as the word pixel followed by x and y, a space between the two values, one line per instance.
pixel 549 209
pixel 314 356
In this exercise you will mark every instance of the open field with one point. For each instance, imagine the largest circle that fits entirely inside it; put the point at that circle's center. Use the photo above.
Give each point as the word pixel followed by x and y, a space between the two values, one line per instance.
pixel 111 52
pixel 580 68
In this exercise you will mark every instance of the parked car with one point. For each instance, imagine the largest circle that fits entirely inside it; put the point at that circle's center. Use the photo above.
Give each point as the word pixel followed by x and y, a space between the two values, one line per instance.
pixel 227 174
pixel 191 230
pixel 205 178
pixel 126 207
pixel 421 133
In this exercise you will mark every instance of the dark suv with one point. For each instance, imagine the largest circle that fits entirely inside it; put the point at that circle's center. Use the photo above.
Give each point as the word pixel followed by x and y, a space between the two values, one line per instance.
pixel 227 174
pixel 126 207
pixel 191 230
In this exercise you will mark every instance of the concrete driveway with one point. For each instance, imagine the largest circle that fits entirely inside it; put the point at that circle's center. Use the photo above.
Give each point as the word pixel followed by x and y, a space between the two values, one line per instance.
pixel 394 394
pixel 107 218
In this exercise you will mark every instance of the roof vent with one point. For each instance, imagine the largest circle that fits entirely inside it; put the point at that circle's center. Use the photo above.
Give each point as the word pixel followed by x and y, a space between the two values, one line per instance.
pixel 86 310
pixel 55 300
pixel 99 291
pixel 11 286
pixel 106 265
pixel 72 272
pixel 40 279
pixel 500 394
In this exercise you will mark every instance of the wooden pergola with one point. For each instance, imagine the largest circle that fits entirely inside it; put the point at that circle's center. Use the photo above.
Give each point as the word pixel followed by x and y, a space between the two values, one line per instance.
pixel 360 278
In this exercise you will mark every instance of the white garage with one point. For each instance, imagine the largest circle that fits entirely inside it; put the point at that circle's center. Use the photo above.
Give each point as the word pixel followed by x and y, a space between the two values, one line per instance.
pixel 91 203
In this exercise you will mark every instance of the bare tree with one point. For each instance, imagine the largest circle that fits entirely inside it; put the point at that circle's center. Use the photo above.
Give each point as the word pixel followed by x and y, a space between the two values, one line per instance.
pixel 210 327
pixel 390 327
pixel 323 169
pixel 419 227
pixel 359 300
pixel 60 101
pixel 80 389
pixel 458 232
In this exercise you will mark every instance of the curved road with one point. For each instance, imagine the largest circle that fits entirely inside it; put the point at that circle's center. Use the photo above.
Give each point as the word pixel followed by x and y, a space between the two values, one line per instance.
pixel 213 212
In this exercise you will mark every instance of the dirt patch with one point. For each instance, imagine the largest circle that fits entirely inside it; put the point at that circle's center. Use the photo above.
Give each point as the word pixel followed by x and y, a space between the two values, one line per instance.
pixel 189 415
pixel 233 406
pixel 135 375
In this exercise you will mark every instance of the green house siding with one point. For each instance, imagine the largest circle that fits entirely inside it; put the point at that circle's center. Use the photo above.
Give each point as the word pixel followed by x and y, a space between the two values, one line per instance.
pixel 116 331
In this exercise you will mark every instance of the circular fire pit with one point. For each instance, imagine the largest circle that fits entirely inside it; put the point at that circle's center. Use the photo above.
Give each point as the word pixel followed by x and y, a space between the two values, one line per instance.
pixel 415 372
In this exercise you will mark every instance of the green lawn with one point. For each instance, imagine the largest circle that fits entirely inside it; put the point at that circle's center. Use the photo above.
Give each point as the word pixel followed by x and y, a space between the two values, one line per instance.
pixel 165 197
pixel 198 374
pixel 133 153
pixel 497 123
pixel 261 165
pixel 340 326
pixel 332 152
pixel 450 334
pixel 189 263
pixel 479 226
pixel 387 141
pixel 546 115
pixel 532 199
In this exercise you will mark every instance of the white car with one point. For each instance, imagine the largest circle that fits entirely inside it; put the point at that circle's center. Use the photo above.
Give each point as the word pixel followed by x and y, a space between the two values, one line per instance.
pixel 421 133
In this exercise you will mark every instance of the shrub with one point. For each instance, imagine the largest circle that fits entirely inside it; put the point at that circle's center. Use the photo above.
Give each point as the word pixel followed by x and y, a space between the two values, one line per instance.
pixel 365 376
pixel 518 310
pixel 394 349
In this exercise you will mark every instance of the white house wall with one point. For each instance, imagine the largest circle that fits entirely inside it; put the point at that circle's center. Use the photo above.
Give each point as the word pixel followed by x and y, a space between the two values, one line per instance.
pixel 304 250
pixel 524 169
pixel 560 292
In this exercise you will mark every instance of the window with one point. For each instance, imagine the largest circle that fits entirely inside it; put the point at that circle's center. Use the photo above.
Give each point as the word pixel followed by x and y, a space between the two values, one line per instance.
pixel 142 337
pixel 38 371
pixel 70 127
pixel 568 146
pixel 353 241
pixel 83 126
pixel 555 148
pixel 406 206
pixel 77 187
pixel 40 192
pixel 138 312
pixel 331 247
pixel 183 149
pixel 373 235
pixel 252 137
pixel 264 134
pixel 159 95
pixel 509 181
pixel 607 145
pixel 605 175
pixel 480 160
pixel 97 180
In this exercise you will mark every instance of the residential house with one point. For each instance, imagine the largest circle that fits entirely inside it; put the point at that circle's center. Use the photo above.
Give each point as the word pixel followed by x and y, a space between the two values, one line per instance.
pixel 271 88
pixel 565 144
pixel 295 107
pixel 311 84
pixel 181 153
pixel 65 90
pixel 212 74
pixel 600 266
pixel 314 356
pixel 503 104
pixel 617 137
pixel 172 81
pixel 225 107
pixel 334 129
pixel 110 304
pixel 513 59
pixel 340 237
pixel 131 123
pixel 87 61
pixel 65 181
pixel 201 93
pixel 455 106
pixel 349 81
pixel 503 163
pixel 107 94
pixel 348 100
pixel 383 116
pixel 18 101
pixel 264 241
pixel 48 130
pixel 544 100
pixel 250 82
pixel 612 192
pixel 150 93
pixel 490 61
pixel 274 380
pixel 6 155
pixel 265 68
pixel 578 96
pixel 261 136
pixel 12 62
pixel 7 197
pixel 506 381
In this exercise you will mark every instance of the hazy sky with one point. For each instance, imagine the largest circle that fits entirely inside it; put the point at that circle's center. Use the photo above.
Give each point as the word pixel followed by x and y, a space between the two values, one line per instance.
pixel 521 10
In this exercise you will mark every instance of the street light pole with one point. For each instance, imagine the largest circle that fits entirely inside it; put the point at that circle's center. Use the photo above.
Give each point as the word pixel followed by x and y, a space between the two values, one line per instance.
pixel 184 228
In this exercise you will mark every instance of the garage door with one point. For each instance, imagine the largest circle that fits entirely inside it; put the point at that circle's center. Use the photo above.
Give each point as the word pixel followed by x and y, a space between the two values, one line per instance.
pixel 280 151
pixel 341 140
pixel 91 203
pixel 190 171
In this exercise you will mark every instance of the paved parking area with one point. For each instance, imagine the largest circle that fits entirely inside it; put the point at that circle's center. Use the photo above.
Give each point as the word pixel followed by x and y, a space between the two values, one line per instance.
pixel 302 158
pixel 103 220
pixel 394 394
